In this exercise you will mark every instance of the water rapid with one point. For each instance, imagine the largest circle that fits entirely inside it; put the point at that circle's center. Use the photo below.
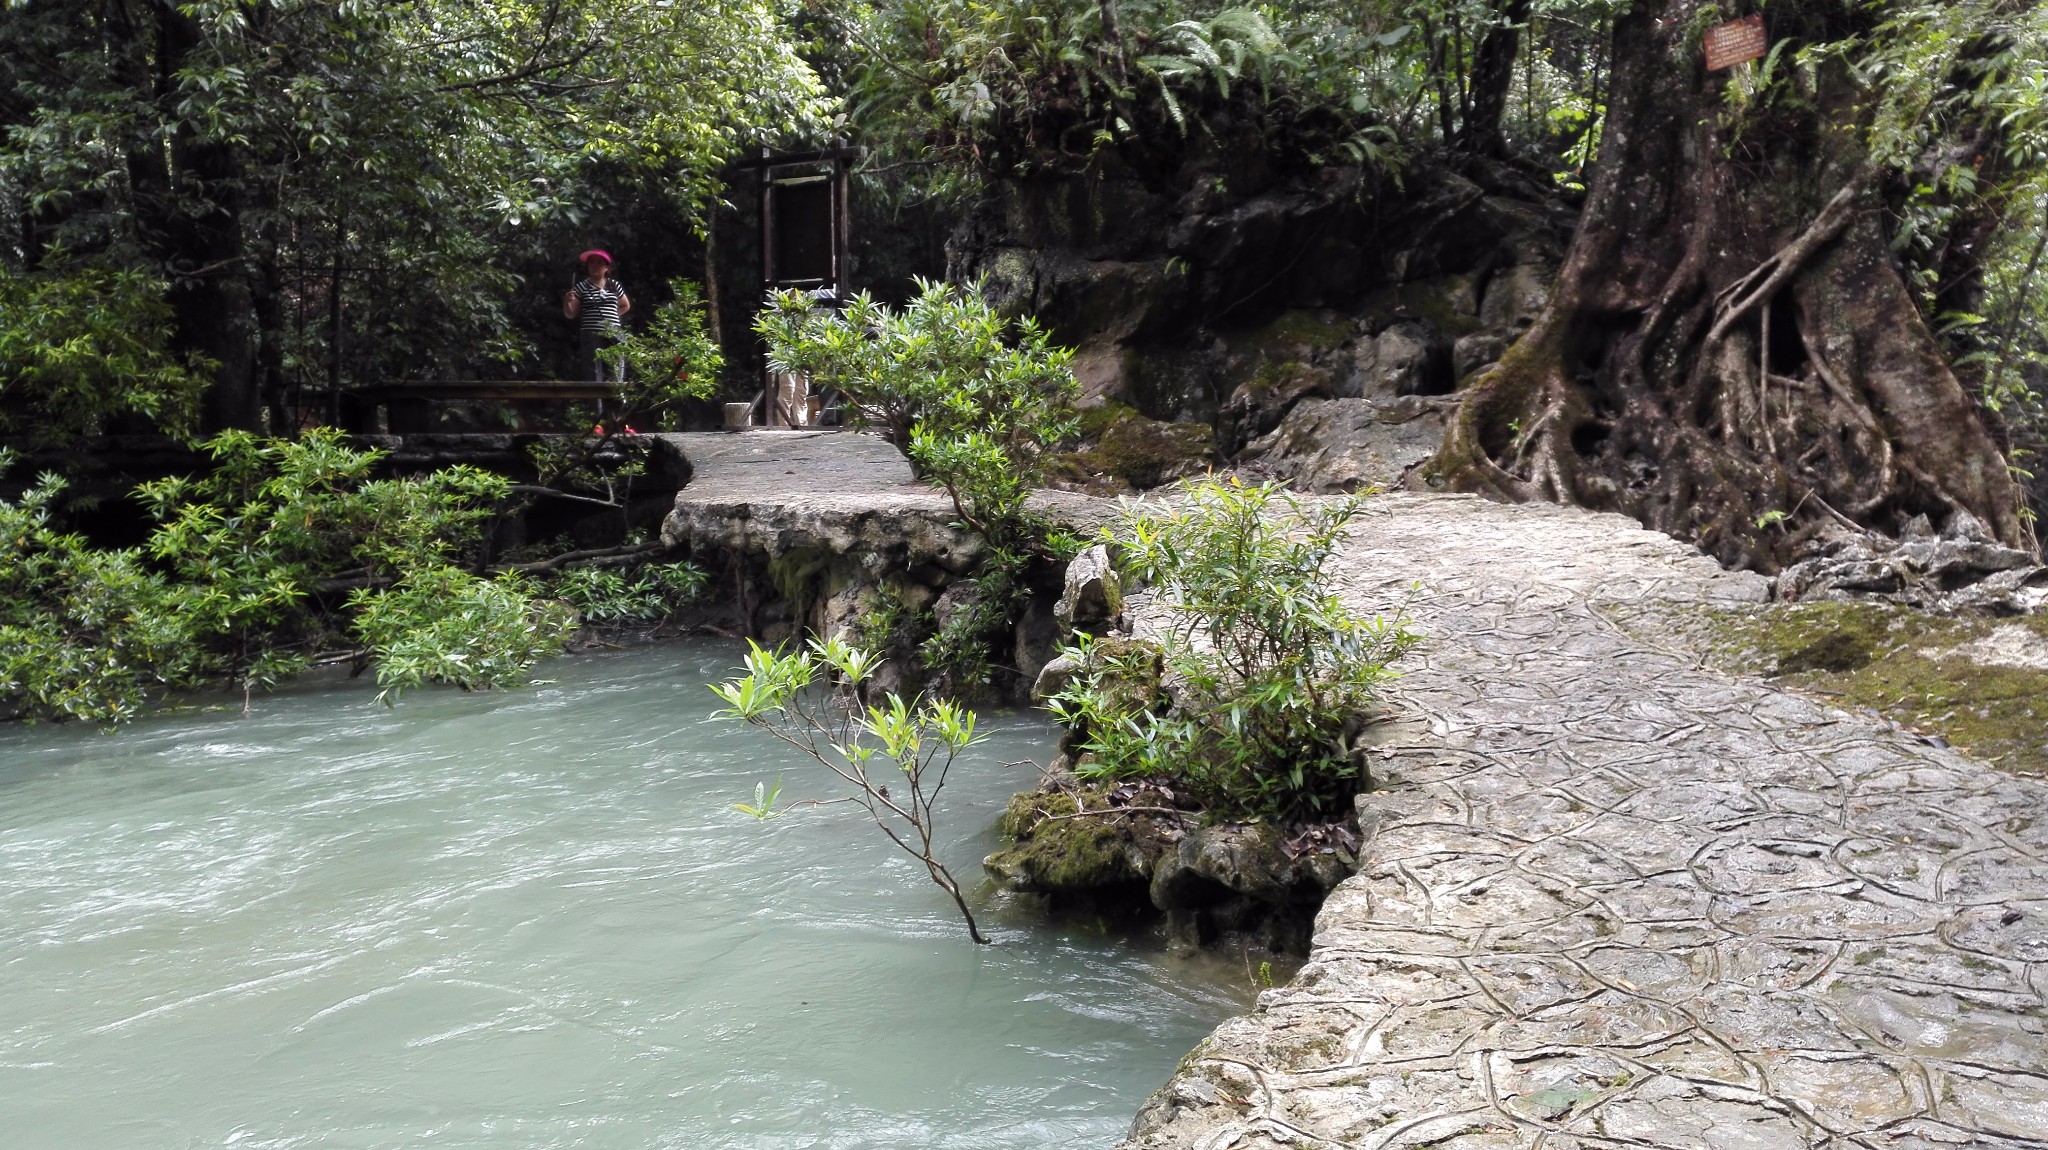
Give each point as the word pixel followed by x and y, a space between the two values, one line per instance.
pixel 530 919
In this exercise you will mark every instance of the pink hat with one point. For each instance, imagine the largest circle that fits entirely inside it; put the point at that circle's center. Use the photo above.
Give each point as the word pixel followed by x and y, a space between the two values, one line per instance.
pixel 594 253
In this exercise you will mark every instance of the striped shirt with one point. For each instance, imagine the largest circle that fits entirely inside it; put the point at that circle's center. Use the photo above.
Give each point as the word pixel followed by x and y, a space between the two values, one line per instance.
pixel 600 305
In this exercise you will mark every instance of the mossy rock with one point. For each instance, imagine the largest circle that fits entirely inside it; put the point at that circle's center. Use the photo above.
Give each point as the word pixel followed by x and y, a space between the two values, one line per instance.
pixel 1435 302
pixel 1059 856
pixel 1296 333
pixel 1131 449
pixel 1096 420
pixel 1913 667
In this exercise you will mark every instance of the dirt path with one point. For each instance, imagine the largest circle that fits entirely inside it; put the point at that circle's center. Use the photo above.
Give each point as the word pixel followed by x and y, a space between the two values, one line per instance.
pixel 1614 900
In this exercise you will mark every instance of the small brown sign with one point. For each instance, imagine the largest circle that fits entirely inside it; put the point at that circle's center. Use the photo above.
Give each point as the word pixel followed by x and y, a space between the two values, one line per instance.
pixel 1736 42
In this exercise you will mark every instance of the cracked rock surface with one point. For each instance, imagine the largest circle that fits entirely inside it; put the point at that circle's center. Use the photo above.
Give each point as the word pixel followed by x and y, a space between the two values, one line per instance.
pixel 1610 899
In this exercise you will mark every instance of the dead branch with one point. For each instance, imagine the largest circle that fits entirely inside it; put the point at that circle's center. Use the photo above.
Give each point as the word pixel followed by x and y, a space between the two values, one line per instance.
pixel 531 489
pixel 1113 811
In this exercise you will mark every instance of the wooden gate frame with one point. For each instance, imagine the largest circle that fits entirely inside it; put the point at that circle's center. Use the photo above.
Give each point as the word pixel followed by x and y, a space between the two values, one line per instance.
pixel 836 164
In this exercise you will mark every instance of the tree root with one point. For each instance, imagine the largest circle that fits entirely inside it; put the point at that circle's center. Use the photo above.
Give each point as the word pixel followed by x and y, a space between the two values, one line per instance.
pixel 1786 262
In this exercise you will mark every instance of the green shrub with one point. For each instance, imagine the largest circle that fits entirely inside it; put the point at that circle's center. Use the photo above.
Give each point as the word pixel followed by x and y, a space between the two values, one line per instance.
pixel 609 595
pixel 672 360
pixel 1260 671
pixel 242 579
pixel 79 348
pixel 975 401
pixel 441 625
pixel 84 633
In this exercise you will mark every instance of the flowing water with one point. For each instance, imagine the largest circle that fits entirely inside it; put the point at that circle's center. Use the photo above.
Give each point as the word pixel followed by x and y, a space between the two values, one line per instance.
pixel 530 919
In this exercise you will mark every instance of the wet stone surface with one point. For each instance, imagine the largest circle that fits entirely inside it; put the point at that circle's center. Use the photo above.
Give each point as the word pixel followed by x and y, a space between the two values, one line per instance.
pixel 1610 899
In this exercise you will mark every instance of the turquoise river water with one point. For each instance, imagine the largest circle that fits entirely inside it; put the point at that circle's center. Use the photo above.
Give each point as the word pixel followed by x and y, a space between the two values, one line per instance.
pixel 530 919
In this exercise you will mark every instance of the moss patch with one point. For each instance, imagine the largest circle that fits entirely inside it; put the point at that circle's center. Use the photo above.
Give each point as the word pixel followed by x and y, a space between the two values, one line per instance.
pixel 1055 855
pixel 1129 449
pixel 1100 418
pixel 1296 332
pixel 1433 301
pixel 1902 664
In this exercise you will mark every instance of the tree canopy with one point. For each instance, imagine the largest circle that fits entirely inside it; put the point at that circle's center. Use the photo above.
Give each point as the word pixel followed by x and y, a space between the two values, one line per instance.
pixel 251 156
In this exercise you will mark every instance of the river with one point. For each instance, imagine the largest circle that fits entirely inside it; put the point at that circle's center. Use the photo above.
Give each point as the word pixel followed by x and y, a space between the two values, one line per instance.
pixel 530 919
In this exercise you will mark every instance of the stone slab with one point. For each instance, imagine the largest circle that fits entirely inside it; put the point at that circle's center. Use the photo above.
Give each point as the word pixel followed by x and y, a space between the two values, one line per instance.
pixel 777 493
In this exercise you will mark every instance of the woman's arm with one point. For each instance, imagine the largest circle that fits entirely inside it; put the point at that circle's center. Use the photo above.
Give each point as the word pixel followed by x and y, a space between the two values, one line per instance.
pixel 572 304
pixel 625 304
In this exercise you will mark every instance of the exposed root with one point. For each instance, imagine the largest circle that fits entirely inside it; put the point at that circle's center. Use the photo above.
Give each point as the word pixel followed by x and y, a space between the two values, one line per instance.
pixel 1747 294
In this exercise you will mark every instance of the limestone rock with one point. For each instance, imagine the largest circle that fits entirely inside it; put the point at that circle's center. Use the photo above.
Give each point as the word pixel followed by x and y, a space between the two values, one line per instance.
pixel 1055 677
pixel 1331 445
pixel 1960 571
pixel 1085 858
pixel 1516 297
pixel 1093 595
pixel 957 602
pixel 1215 861
pixel 1141 452
pixel 1405 359
pixel 1475 351
pixel 1035 641
pixel 1261 402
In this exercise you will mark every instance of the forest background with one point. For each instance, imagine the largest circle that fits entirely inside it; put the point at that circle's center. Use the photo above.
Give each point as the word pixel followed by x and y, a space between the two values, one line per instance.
pixel 208 207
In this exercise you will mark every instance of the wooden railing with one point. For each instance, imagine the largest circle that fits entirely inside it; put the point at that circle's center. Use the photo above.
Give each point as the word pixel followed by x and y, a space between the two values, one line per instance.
pixel 408 405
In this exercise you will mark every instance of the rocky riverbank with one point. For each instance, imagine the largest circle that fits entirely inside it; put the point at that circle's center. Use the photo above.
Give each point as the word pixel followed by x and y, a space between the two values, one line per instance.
pixel 825 533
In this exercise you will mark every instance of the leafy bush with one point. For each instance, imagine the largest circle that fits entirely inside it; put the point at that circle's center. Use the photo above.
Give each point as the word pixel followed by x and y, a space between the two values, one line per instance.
pixel 961 652
pixel 671 360
pixel 248 543
pixel 975 400
pixel 607 595
pixel 80 348
pixel 241 578
pixel 441 625
pixel 1260 672
pixel 908 745
pixel 84 633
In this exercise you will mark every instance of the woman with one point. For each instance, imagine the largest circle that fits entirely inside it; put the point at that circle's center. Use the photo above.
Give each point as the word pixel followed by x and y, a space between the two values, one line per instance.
pixel 599 301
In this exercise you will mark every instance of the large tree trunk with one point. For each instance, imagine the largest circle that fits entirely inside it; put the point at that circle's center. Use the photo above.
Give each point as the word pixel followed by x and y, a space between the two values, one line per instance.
pixel 1730 354
pixel 1493 74
pixel 188 200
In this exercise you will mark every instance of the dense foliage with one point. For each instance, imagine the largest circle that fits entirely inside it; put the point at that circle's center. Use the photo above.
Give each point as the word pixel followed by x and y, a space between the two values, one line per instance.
pixel 1249 695
pixel 285 554
pixel 82 349
pixel 1018 85
pixel 257 158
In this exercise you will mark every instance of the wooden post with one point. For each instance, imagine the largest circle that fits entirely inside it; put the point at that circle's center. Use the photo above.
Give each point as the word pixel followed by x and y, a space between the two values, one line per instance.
pixel 767 266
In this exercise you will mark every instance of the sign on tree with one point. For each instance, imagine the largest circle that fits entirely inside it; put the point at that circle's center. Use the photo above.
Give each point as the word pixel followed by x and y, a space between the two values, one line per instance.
pixel 1736 42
